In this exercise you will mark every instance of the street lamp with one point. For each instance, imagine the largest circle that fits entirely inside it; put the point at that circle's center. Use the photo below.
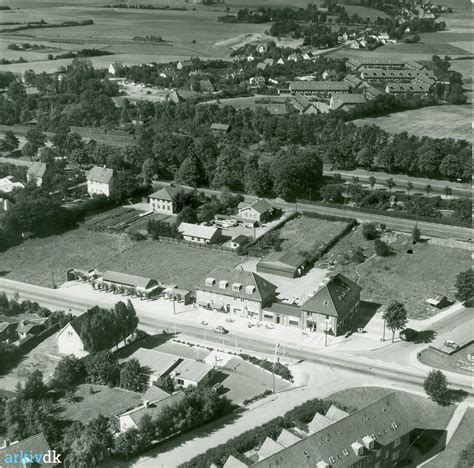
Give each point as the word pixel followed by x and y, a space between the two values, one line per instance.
pixel 384 323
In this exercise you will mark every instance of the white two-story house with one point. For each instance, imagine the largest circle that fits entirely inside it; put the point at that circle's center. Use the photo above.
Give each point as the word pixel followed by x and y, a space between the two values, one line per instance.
pixel 100 181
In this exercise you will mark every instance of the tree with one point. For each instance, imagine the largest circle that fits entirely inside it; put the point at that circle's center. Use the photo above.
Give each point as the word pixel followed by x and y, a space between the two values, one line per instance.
pixel 416 234
pixel 447 191
pixel 69 372
pixel 466 459
pixel 34 387
pixel 133 376
pixel 187 215
pixel 372 182
pixel 10 142
pixel 128 444
pixel 396 317
pixel 35 139
pixel 167 384
pixel 436 386
pixel 369 231
pixel 228 171
pixel 332 193
pixel 191 171
pixel 125 319
pixel 428 189
pixel 465 287
pixel 382 249
pixel 102 368
pixel 390 184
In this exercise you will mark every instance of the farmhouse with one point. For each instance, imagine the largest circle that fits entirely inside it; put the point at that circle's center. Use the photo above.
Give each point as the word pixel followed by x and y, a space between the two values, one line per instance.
pixel 131 419
pixel 302 105
pixel 162 201
pixel 139 283
pixel 70 337
pixel 219 129
pixel 377 435
pixel 36 444
pixel 288 264
pixel 200 234
pixel 240 292
pixel 260 211
pixel 319 88
pixel 39 172
pixel 346 102
pixel 100 181
pixel 332 306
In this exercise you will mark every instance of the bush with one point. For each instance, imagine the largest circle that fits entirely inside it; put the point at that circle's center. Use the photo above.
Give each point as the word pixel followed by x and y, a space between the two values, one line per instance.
pixel 436 386
pixel 382 249
pixel 369 231
pixel 280 369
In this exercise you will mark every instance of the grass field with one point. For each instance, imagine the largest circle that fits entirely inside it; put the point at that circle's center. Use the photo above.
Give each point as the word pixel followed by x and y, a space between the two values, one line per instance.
pixel 425 413
pixel 170 263
pixel 34 260
pixel 307 234
pixel 434 358
pixel 106 401
pixel 435 122
pixel 408 278
pixel 457 444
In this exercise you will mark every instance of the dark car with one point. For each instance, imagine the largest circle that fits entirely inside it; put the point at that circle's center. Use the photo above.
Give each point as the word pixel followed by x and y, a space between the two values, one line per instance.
pixel 408 334
pixel 220 329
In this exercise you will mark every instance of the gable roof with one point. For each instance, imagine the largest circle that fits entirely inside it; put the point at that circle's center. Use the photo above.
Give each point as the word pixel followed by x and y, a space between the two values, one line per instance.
pixel 159 363
pixel 99 174
pixel 340 99
pixel 261 206
pixel 36 443
pixel 335 414
pixel 233 462
pixel 76 322
pixel 287 438
pixel 37 169
pixel 153 408
pixel 336 298
pixel 154 393
pixel 240 239
pixel 407 87
pixel 166 193
pixel 198 230
pixel 353 80
pixel 128 280
pixel 386 419
pixel 269 447
pixel 284 260
pixel 319 86
pixel 29 327
pixel 263 289
pixel 318 423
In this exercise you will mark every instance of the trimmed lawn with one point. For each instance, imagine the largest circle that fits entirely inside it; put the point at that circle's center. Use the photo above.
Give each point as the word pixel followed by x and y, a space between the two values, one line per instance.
pixel 170 263
pixel 435 122
pixel 426 414
pixel 106 401
pixel 34 260
pixel 434 358
pixel 408 278
pixel 462 437
pixel 306 234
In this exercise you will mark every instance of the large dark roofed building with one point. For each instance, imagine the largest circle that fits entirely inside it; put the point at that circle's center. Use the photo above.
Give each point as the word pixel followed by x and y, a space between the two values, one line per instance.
pixel 288 264
pixel 319 88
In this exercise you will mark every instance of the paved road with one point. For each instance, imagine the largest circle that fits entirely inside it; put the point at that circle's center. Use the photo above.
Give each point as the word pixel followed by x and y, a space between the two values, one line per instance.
pixel 397 224
pixel 361 364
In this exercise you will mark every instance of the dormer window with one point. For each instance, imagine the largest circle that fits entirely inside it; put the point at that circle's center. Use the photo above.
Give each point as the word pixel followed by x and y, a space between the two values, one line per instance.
pixel 223 284
pixel 250 289
pixel 210 281
pixel 236 287
pixel 358 448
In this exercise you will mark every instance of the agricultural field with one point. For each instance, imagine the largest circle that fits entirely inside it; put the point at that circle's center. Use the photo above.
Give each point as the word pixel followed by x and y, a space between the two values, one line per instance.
pixel 408 278
pixel 170 263
pixel 35 260
pixel 435 122
pixel 304 234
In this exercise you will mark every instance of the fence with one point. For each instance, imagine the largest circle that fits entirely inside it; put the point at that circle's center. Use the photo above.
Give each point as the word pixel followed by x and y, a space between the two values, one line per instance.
pixel 392 214
pixel 195 244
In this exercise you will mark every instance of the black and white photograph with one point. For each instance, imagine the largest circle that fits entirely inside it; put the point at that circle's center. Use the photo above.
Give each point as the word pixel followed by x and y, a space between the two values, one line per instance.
pixel 236 234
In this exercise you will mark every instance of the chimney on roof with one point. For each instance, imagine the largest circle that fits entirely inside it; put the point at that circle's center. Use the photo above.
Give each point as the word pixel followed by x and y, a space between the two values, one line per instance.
pixel 22 323
pixel 6 443
pixel 146 403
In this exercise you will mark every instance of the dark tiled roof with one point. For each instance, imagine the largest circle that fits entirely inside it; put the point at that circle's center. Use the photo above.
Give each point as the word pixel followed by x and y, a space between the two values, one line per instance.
pixel 385 419
pixel 36 444
pixel 353 80
pixel 166 193
pixel 407 87
pixel 290 310
pixel 77 322
pixel 263 289
pixel 155 407
pixel 383 74
pixel 240 239
pixel 100 174
pixel 341 99
pixel 336 298
pixel 37 169
pixel 285 261
pixel 261 206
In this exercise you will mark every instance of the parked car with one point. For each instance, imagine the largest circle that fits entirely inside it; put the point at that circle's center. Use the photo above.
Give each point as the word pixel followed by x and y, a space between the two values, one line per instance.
pixel 451 344
pixel 348 333
pixel 220 329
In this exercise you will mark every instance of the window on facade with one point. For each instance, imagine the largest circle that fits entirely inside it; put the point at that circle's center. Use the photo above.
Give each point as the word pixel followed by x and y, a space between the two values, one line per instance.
pixel 180 381
pixel 378 453
pixel 395 454
pixel 396 443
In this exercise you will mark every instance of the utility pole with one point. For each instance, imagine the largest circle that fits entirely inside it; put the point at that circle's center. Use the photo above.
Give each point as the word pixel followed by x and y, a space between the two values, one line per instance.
pixel 383 336
pixel 52 277
pixel 326 333
pixel 277 347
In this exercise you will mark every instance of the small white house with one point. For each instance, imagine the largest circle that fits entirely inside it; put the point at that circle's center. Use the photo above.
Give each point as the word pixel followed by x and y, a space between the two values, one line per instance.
pixel 115 68
pixel 200 234
pixel 100 181
pixel 39 172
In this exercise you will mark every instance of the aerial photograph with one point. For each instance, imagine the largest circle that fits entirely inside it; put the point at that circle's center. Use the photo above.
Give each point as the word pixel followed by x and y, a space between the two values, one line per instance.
pixel 236 234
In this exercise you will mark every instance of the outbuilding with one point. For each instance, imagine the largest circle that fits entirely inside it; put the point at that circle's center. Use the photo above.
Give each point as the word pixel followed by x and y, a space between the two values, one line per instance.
pixel 288 264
